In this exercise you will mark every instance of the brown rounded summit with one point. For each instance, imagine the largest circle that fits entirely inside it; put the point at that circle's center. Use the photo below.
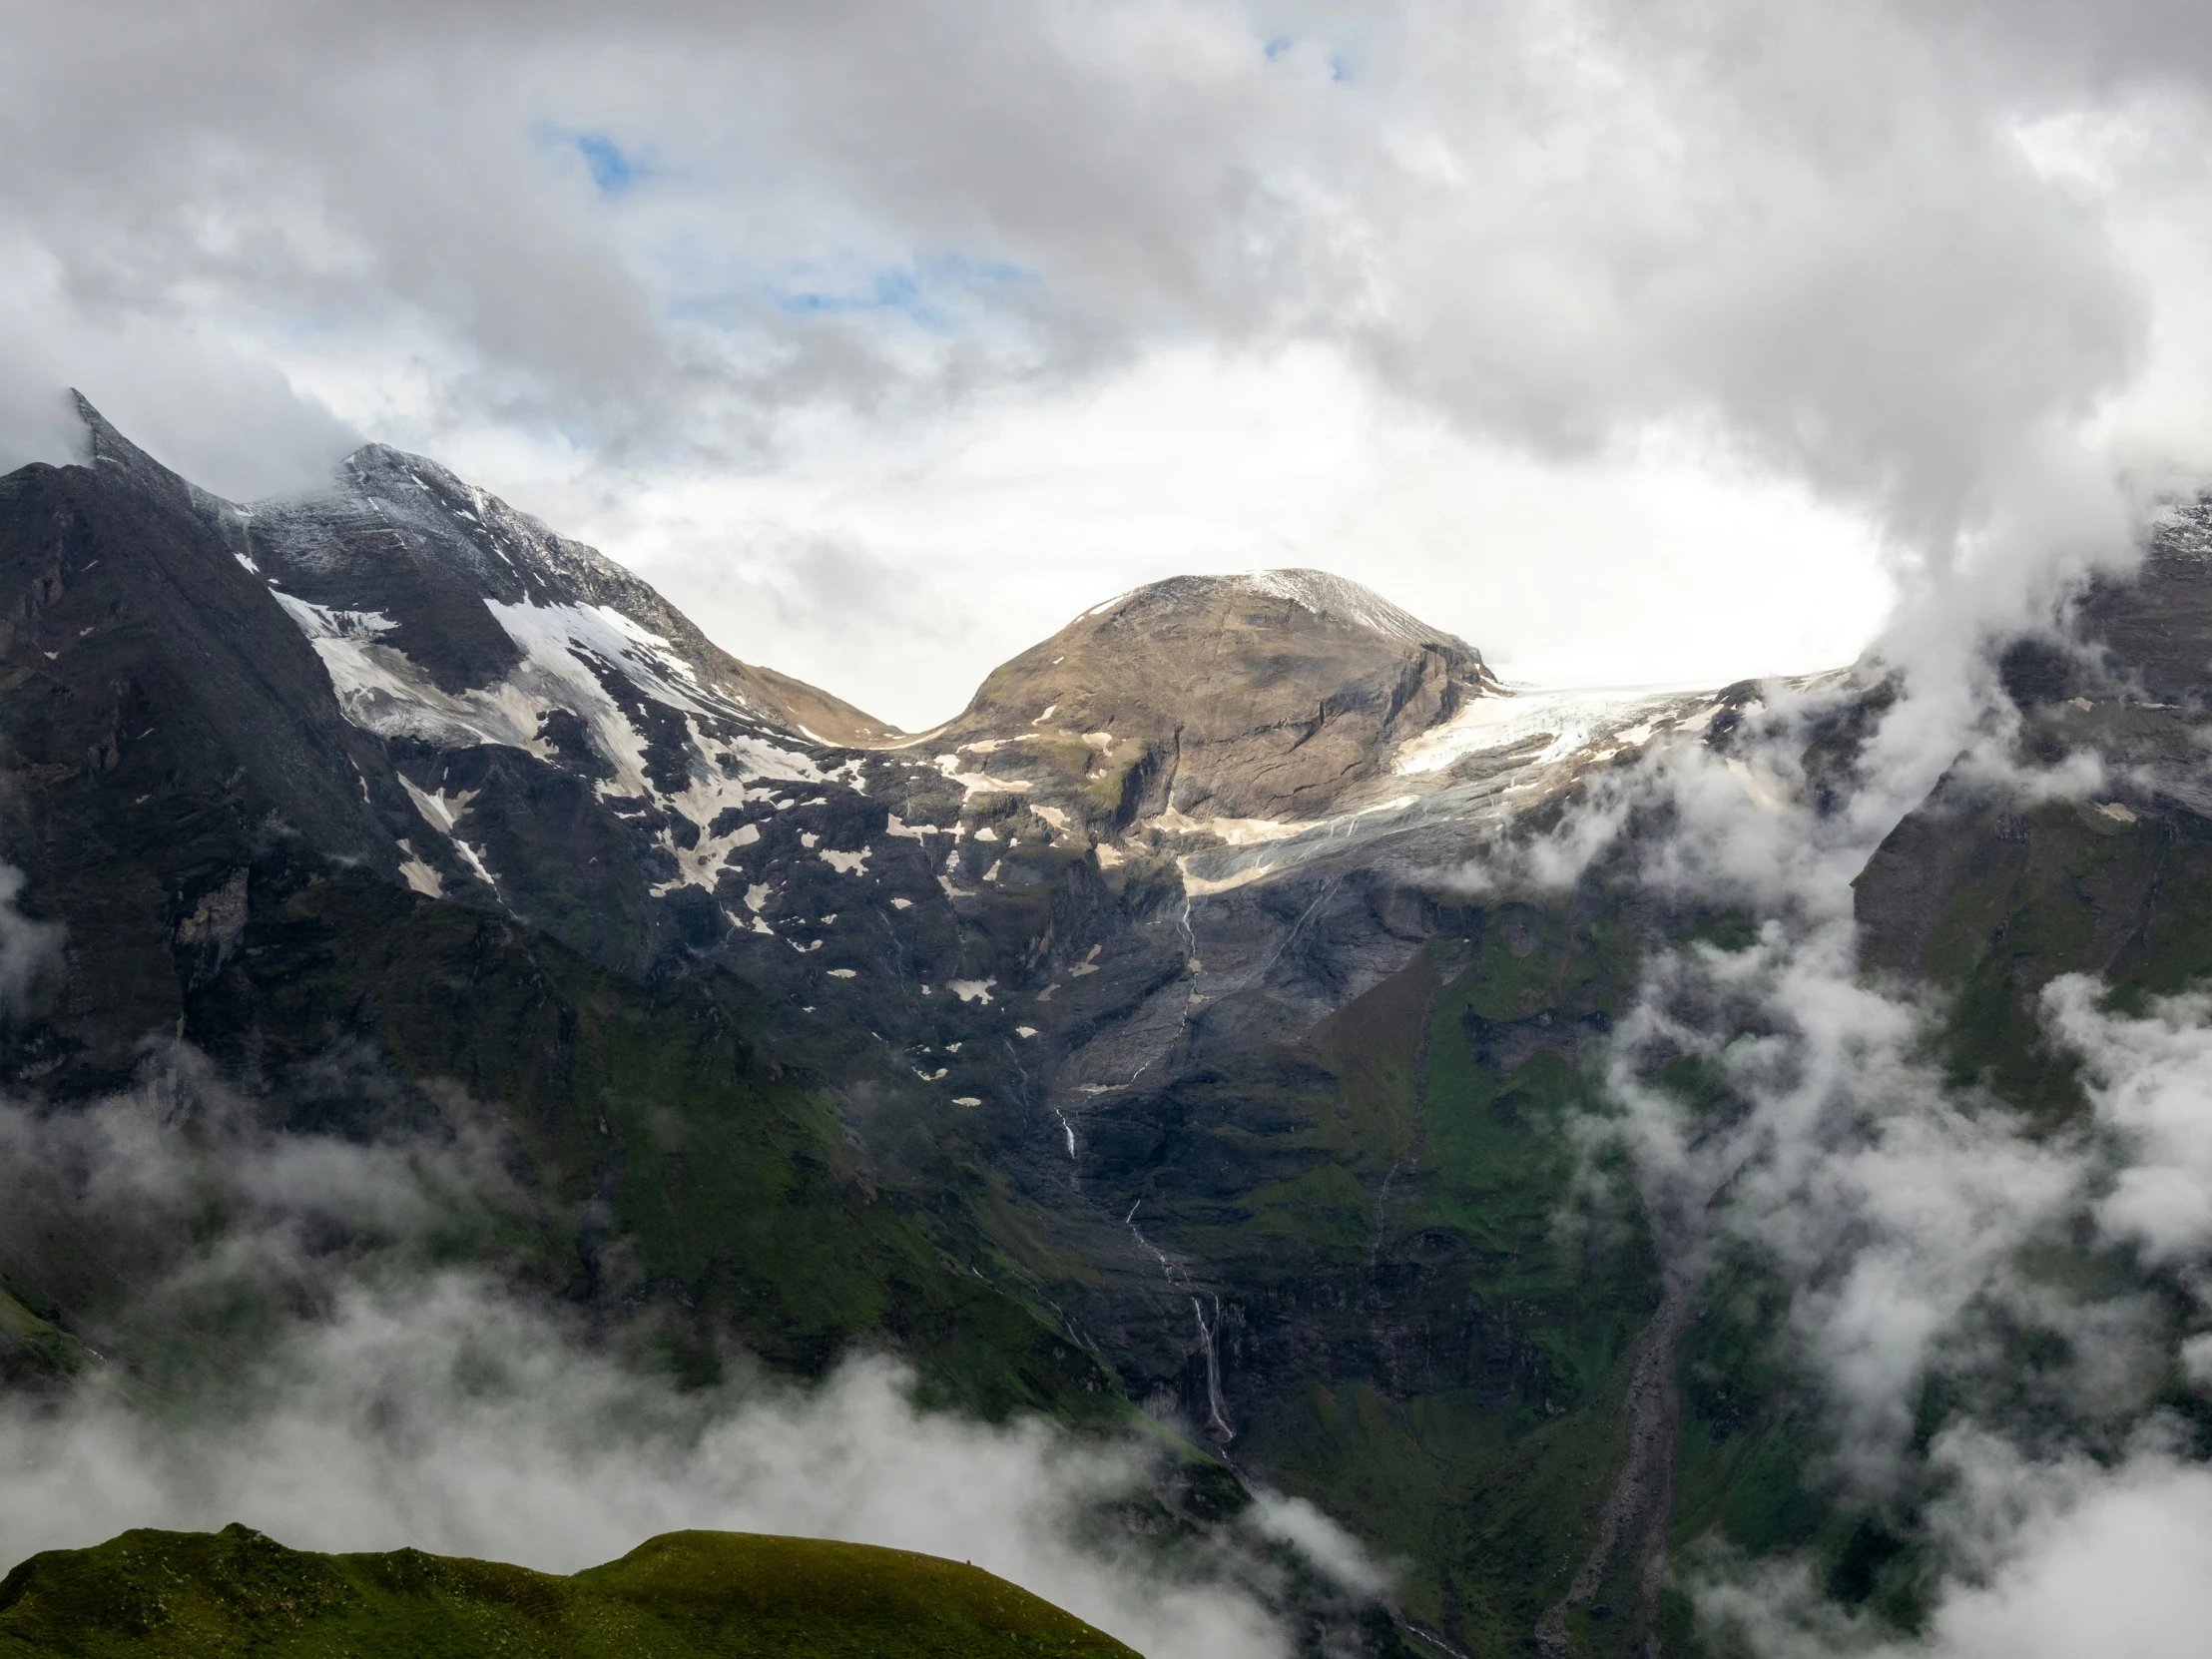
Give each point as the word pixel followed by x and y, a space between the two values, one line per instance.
pixel 1263 695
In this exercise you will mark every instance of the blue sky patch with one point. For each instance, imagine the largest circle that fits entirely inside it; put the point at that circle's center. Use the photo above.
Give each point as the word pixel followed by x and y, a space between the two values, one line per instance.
pixel 611 170
pixel 614 171
pixel 927 293
pixel 1338 53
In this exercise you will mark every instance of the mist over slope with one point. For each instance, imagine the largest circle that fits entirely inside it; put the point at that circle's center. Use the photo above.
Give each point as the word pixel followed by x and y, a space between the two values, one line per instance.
pixel 1652 1170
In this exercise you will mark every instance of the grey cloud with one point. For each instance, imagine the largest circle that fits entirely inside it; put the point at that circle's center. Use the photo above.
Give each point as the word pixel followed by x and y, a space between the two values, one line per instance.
pixel 107 1203
pixel 2065 1557
pixel 2148 1076
pixel 842 616
pixel 1813 229
pixel 27 947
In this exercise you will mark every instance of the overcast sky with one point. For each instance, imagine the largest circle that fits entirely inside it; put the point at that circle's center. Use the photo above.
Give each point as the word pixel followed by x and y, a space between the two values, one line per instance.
pixel 1634 342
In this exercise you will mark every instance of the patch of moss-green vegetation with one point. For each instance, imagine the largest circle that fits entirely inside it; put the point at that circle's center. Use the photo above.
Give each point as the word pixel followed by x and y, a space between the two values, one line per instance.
pixel 1410 1180
pixel 684 1595
pixel 32 1348
pixel 1743 1469
pixel 2064 890
pixel 652 1155
pixel 1749 1474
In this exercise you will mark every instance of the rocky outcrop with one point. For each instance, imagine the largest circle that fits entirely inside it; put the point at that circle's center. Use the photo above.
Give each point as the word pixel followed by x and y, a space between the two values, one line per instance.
pixel 1267 696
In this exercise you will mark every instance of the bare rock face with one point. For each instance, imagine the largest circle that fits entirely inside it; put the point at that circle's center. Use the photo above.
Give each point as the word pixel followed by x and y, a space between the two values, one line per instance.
pixel 1266 696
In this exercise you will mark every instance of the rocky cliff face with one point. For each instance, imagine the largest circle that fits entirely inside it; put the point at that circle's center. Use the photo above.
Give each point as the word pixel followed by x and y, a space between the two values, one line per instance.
pixel 1270 697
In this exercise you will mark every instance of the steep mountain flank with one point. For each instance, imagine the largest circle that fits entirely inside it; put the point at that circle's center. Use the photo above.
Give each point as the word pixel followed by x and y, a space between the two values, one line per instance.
pixel 1994 897
pixel 223 863
pixel 163 730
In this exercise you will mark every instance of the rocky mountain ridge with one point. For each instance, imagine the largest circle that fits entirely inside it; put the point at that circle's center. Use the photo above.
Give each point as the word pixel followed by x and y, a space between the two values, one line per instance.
pixel 1141 1036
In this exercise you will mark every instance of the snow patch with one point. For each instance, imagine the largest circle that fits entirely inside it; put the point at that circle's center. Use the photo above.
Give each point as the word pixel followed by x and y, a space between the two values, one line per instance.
pixel 973 783
pixel 381 690
pixel 1237 831
pixel 1198 886
pixel 320 622
pixel 1332 596
pixel 441 810
pixel 972 990
pixel 418 875
pixel 1568 722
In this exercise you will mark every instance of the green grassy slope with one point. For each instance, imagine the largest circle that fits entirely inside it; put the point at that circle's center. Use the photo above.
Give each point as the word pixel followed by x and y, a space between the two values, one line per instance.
pixel 1499 1462
pixel 684 1595
pixel 1431 1336
pixel 1440 1324
pixel 652 1161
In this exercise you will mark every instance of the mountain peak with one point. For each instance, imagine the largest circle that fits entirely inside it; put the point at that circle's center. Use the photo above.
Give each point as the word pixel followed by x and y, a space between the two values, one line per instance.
pixel 108 450
pixel 1265 695
pixel 1321 595
pixel 453 572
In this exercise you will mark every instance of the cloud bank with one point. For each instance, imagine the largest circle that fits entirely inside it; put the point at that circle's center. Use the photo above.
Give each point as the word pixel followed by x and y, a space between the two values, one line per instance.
pixel 451 1418
pixel 733 288
pixel 325 1376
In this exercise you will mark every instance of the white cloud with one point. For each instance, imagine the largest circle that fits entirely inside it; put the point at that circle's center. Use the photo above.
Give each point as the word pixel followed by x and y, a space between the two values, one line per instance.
pixel 450 1418
pixel 378 1399
pixel 1620 336
pixel 2149 1081
pixel 898 575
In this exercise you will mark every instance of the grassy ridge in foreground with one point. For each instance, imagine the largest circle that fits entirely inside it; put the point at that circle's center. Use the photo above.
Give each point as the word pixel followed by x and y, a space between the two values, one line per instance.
pixel 684 1595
